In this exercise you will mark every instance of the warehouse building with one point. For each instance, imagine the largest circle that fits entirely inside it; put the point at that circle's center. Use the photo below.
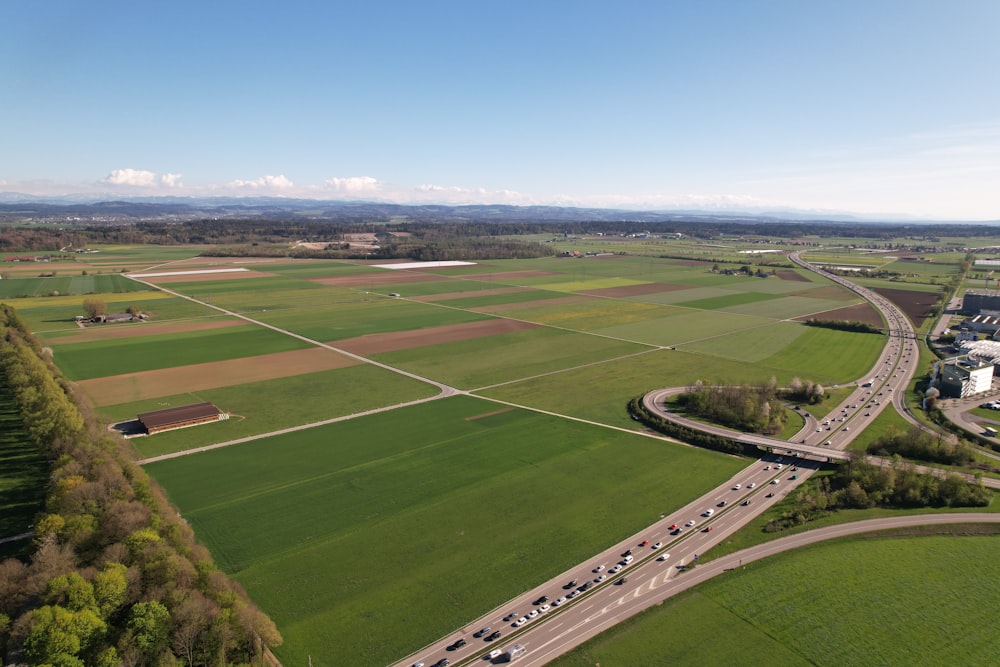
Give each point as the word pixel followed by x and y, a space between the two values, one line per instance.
pixel 180 417
pixel 961 377
pixel 977 300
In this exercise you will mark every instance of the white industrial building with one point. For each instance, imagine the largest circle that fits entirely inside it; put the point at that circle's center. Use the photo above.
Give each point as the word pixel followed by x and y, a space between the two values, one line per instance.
pixel 961 377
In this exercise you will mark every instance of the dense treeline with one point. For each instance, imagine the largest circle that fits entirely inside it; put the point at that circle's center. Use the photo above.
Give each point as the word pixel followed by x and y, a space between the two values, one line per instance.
pixel 859 484
pixel 684 434
pixel 116 577
pixel 756 409
pixel 843 325
pixel 915 443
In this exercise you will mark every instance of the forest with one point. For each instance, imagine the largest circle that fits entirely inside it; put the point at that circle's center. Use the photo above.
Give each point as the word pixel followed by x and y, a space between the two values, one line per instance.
pixel 116 576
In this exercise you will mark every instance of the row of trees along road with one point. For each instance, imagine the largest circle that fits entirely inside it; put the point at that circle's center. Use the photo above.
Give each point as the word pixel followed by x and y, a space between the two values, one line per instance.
pixel 116 577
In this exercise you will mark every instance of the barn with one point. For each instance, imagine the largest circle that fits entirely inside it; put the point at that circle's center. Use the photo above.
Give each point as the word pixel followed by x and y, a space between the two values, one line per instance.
pixel 179 417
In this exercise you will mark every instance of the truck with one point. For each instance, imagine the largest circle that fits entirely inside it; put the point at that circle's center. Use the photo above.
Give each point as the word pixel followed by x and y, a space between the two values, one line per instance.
pixel 990 432
pixel 513 653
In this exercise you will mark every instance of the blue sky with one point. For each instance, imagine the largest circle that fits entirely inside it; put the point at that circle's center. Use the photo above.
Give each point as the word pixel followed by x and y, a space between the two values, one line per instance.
pixel 880 107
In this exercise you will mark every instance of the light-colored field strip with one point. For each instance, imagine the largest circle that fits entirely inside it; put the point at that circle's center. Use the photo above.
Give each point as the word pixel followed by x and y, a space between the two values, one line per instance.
pixel 192 272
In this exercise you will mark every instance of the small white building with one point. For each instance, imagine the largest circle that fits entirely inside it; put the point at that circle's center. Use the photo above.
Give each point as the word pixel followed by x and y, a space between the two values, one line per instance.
pixel 962 376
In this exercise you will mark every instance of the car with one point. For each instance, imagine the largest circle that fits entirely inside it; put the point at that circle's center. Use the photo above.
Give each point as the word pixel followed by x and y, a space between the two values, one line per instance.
pixel 628 559
pixel 495 653
pixel 819 430
pixel 868 414
pixel 521 621
pixel 751 485
pixel 621 581
pixel 419 663
pixel 657 545
pixel 708 529
pixel 544 608
pixel 795 476
pixel 663 557
pixel 570 585
pixel 737 487
pixel 767 467
pixel 745 502
pixel 532 613
pixel 559 601
pixel 511 616
pixel 493 637
pixel 690 523
pixel 722 503
pixel 572 594
pixel 585 587
pixel 615 570
pixel 645 543
pixel 846 428
pixel 770 495
pixel 777 466
pixel 443 662
pixel 457 645
pixel 481 632
pixel 541 600
pixel 627 552
pixel 598 568
pixel 708 512
pixel 774 481
pixel 674 526
pixel 601 578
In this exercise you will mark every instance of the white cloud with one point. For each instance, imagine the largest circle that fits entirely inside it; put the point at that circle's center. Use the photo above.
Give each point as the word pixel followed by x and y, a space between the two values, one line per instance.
pixel 171 180
pixel 353 184
pixel 135 177
pixel 264 183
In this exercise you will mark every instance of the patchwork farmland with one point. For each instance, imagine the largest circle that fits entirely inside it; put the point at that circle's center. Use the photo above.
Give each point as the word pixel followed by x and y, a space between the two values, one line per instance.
pixel 386 485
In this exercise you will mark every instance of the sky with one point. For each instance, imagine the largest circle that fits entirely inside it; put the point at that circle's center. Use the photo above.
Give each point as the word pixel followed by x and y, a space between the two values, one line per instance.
pixel 880 108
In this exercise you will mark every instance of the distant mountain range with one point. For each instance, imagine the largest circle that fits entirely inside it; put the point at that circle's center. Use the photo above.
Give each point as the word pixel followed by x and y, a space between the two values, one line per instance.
pixel 76 208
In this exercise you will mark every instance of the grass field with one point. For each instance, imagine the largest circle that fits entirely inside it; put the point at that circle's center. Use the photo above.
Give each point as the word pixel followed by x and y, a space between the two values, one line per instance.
pixel 861 601
pixel 65 285
pixel 81 361
pixel 262 407
pixel 365 539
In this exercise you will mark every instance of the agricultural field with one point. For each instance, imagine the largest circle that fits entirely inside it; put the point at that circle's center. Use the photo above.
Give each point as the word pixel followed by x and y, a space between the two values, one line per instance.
pixel 353 522
pixel 395 504
pixel 859 591
pixel 61 285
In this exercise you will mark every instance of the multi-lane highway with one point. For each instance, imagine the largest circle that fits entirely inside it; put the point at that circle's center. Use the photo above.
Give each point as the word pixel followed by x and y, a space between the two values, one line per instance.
pixel 642 570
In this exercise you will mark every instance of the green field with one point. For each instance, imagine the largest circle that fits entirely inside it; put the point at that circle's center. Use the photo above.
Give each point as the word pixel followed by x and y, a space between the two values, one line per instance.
pixel 861 601
pixel 82 361
pixel 269 405
pixel 64 285
pixel 367 538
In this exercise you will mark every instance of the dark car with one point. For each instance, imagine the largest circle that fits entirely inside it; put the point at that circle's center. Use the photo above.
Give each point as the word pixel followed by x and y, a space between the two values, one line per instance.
pixel 627 553
pixel 541 600
pixel 585 587
pixel 443 662
pixel 511 616
pixel 494 636
pixel 621 581
pixel 482 632
pixel 569 585
pixel 745 502
pixel 457 645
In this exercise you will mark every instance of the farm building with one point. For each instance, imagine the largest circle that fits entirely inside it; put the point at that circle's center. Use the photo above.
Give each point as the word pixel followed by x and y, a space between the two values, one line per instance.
pixel 961 377
pixel 179 417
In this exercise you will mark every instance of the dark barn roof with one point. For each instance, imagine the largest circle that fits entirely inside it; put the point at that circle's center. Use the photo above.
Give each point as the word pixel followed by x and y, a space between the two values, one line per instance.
pixel 183 413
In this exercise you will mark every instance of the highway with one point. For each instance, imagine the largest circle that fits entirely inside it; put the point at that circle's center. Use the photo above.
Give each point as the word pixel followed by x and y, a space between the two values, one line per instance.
pixel 694 529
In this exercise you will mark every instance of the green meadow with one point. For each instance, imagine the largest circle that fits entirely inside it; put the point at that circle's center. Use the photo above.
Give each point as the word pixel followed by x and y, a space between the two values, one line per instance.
pixel 874 600
pixel 82 361
pixel 367 538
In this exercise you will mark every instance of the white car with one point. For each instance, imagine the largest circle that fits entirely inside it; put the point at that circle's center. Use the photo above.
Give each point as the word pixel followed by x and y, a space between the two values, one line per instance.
pixel 521 621
pixel 751 485
pixel 532 613
pixel 663 557
pixel 736 487
pixel 774 481
pixel 544 608
pixel 601 578
pixel 777 466
pixel 598 568
pixel 495 653
pixel 615 570
pixel 657 545
pixel 558 602
pixel 690 523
